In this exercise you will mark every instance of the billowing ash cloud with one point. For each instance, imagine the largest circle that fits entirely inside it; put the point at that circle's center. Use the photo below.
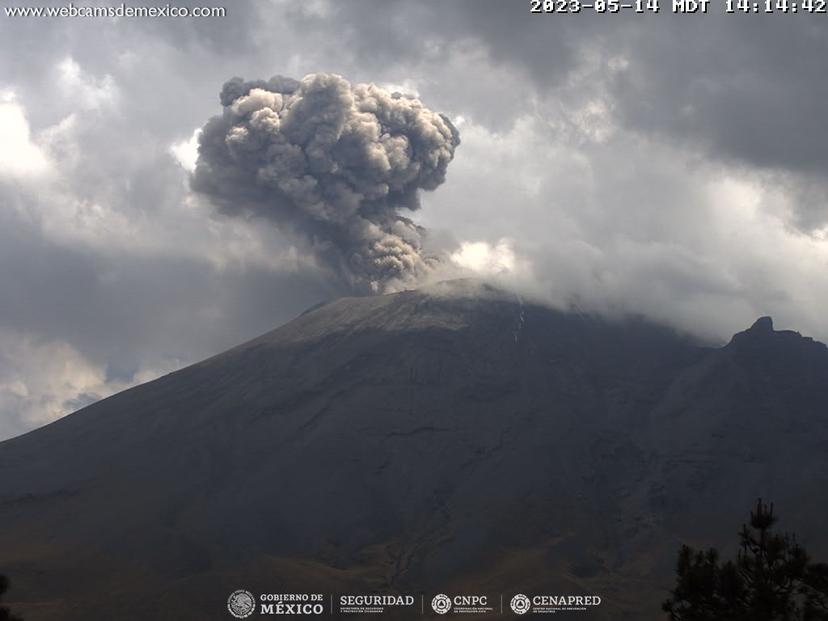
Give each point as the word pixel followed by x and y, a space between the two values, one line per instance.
pixel 333 162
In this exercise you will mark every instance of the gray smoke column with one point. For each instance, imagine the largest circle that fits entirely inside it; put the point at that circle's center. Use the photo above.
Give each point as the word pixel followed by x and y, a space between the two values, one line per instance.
pixel 332 162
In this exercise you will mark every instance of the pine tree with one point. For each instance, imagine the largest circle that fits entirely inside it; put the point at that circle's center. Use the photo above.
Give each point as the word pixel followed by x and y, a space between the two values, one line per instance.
pixel 772 579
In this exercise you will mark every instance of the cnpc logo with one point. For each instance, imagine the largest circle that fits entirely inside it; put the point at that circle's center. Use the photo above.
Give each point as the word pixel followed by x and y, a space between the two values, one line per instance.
pixel 442 603
pixel 520 604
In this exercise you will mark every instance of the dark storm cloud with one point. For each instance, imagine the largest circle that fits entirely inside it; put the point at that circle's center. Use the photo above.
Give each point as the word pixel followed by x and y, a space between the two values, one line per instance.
pixel 334 163
pixel 747 89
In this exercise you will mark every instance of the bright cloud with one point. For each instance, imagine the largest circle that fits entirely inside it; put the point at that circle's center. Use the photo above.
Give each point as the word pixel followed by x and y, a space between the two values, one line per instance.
pixel 19 155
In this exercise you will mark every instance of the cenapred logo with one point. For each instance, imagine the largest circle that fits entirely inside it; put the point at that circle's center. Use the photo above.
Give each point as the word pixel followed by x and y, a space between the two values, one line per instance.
pixel 520 604
pixel 441 604
pixel 241 604
pixel 551 604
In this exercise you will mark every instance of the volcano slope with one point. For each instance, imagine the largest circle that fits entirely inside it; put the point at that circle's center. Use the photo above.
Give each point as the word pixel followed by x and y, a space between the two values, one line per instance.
pixel 451 439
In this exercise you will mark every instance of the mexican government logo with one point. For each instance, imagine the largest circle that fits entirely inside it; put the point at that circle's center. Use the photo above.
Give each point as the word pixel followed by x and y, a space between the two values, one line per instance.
pixel 241 604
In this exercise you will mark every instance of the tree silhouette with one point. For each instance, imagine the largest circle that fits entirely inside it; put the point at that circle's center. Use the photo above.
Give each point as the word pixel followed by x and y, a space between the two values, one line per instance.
pixel 772 579
pixel 5 615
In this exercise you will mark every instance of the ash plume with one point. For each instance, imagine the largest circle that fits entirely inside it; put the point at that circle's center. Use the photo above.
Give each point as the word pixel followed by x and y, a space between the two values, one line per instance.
pixel 333 163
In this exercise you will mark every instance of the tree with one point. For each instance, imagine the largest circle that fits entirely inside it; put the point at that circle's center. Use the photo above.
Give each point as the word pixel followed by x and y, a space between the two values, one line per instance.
pixel 5 615
pixel 772 579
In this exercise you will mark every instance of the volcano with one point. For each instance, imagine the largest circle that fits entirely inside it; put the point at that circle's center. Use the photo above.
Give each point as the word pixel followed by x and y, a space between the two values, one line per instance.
pixel 450 439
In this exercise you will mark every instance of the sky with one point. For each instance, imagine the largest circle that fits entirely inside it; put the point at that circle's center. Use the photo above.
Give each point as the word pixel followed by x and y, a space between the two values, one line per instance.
pixel 671 166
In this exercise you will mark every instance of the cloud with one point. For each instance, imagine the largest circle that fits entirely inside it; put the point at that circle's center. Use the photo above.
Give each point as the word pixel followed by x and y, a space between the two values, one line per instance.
pixel 630 226
pixel 486 259
pixel 85 91
pixel 743 92
pixel 19 155
pixel 335 164
pixel 41 381
pixel 186 151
